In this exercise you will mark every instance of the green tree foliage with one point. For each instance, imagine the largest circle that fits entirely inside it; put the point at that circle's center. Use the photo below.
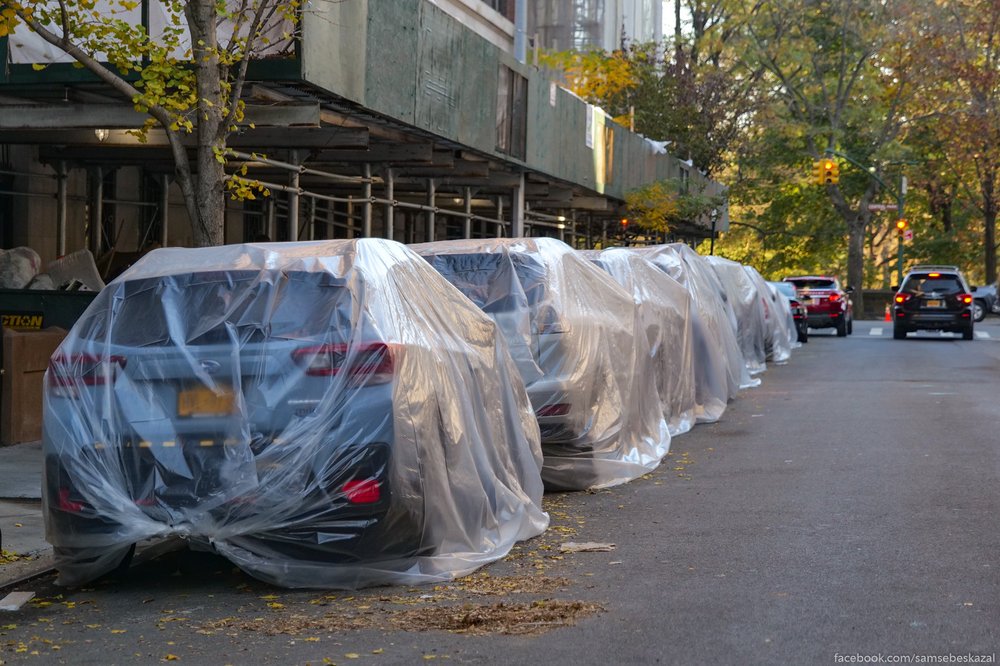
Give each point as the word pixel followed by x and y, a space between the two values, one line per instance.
pixel 189 78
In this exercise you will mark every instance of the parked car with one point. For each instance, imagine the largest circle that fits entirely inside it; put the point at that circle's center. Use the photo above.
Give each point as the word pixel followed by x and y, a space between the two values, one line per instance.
pixel 751 314
pixel 799 312
pixel 828 305
pixel 984 302
pixel 935 298
pixel 569 326
pixel 328 414
pixel 778 324
pixel 663 313
pixel 718 362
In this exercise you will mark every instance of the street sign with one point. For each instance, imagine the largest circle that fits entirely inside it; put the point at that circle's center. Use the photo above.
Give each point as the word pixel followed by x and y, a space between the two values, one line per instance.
pixel 875 207
pixel 907 234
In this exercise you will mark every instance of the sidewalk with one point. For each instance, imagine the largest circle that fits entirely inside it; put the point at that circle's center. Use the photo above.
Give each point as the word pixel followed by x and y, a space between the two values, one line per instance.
pixel 22 531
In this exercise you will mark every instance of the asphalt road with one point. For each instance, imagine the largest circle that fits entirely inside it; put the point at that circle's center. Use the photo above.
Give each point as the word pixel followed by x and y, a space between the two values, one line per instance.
pixel 848 506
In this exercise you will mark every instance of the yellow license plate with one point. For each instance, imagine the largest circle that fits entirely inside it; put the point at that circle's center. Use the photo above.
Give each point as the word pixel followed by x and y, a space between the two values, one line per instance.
pixel 203 401
pixel 934 304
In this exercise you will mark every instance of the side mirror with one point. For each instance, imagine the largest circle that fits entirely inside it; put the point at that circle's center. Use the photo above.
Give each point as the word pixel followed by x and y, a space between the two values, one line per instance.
pixel 973 287
pixel 849 290
pixel 895 287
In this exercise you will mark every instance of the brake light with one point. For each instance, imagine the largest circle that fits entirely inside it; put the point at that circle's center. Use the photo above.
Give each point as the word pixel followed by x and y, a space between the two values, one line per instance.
pixel 558 409
pixel 902 298
pixel 834 298
pixel 965 298
pixel 934 275
pixel 362 491
pixel 66 504
pixel 66 372
pixel 372 360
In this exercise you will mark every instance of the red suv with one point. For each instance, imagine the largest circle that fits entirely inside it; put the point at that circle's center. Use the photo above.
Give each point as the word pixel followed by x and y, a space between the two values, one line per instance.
pixel 828 305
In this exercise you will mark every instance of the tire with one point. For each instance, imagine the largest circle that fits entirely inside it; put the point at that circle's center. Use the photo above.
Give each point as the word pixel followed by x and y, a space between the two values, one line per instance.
pixel 850 326
pixel 804 335
pixel 842 328
pixel 967 333
pixel 898 333
pixel 978 310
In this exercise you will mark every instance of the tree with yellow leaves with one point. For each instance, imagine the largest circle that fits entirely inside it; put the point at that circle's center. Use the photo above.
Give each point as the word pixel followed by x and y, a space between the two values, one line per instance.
pixel 188 77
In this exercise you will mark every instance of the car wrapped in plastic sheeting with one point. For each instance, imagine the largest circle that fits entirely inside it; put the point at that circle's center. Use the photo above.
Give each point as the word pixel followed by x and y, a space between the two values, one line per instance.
pixel 745 299
pixel 718 362
pixel 663 313
pixel 323 414
pixel 569 327
pixel 782 335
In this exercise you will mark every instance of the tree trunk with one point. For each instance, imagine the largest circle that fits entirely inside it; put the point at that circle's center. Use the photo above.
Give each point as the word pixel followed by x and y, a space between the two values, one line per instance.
pixel 856 259
pixel 989 226
pixel 209 178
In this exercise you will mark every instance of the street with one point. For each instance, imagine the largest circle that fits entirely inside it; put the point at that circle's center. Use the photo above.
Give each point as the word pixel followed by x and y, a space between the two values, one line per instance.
pixel 847 506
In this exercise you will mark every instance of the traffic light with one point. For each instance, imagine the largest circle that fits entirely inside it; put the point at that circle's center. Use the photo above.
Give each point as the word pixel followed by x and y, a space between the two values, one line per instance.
pixel 830 172
pixel 818 172
pixel 901 225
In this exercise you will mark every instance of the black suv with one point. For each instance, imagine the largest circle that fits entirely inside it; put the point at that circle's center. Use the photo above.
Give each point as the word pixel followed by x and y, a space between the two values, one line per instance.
pixel 935 298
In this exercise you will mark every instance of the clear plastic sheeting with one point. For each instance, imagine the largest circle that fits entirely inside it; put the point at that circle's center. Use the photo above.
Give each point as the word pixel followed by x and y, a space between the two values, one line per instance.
pixel 718 362
pixel 325 414
pixel 746 300
pixel 782 336
pixel 663 315
pixel 569 327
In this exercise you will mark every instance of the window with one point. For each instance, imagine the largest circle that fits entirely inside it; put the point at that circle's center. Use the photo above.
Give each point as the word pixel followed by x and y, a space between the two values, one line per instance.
pixel 512 113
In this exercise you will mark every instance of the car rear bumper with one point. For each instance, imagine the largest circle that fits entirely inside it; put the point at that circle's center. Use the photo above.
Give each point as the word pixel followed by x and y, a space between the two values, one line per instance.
pixel 824 319
pixel 944 321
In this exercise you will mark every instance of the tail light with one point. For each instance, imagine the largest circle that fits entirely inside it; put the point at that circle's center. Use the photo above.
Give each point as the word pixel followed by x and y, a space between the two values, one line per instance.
pixel 902 298
pixel 558 409
pixel 362 491
pixel 372 361
pixel 68 372
pixel 965 298
pixel 67 504
pixel 834 297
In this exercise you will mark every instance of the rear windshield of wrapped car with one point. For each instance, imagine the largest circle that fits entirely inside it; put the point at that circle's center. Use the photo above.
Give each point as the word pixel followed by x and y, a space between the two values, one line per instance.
pixel 814 283
pixel 942 283
pixel 218 307
pixel 481 277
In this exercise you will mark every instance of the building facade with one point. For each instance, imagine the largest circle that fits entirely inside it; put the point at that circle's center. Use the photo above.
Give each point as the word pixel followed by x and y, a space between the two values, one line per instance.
pixel 410 119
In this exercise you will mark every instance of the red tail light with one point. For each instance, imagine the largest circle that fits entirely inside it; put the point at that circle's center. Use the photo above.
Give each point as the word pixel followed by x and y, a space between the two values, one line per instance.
pixel 902 298
pixel 834 297
pixel 558 409
pixel 66 504
pixel 371 360
pixel 362 491
pixel 965 298
pixel 86 369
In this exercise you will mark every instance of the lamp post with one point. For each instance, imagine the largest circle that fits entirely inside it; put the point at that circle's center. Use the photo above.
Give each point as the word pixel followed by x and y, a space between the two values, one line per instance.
pixel 714 216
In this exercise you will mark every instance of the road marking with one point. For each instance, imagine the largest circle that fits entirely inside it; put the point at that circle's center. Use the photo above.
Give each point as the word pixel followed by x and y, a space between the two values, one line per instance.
pixel 982 335
pixel 875 331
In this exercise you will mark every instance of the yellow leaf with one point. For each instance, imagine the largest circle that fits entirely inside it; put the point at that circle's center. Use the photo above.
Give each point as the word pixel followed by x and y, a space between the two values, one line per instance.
pixel 118 631
pixel 352 655
pixel 312 639
pixel 378 651
pixel 171 657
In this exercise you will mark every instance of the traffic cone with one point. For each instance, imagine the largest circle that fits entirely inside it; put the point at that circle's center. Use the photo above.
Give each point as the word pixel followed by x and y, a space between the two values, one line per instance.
pixel 888 317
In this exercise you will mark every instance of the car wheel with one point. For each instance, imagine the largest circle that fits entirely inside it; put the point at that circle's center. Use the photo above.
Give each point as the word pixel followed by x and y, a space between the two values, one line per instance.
pixel 967 333
pixel 978 310
pixel 842 327
pixel 898 333
pixel 804 335
pixel 850 326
